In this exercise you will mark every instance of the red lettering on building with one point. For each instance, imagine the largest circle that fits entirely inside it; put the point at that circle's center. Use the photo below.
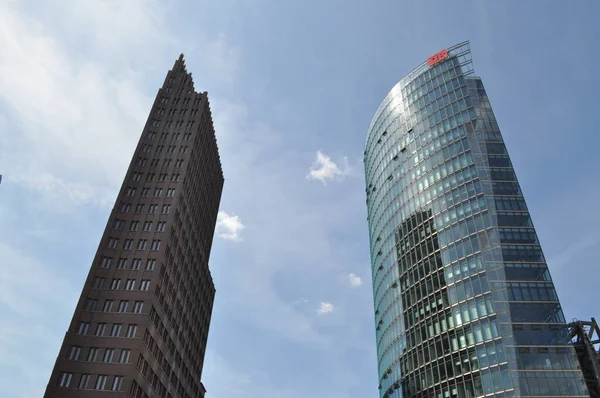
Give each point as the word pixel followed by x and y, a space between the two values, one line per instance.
pixel 434 59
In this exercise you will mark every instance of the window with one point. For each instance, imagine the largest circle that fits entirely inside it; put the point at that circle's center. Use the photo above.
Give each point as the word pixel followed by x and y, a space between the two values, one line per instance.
pixel 152 209
pixel 135 264
pixel 109 353
pixel 142 244
pixel 100 382
pixel 115 284
pixel 117 224
pixel 155 244
pixel 163 177
pixel 122 263
pixel 131 331
pixel 92 354
pixel 138 307
pixel 134 226
pixel 157 192
pixel 113 243
pixel 83 328
pixel 145 285
pixel 124 357
pixel 100 328
pixel 150 264
pixel 145 192
pixel 65 379
pixel 131 191
pixel 130 285
pixel 115 331
pixel 123 305
pixel 154 163
pixel 74 352
pixel 127 244
pixel 108 304
pixel 148 226
pixel 179 163
pixel 137 176
pixel 183 149
pixel 170 192
pixel 117 383
pixel 98 282
pixel 171 149
pixel 106 262
pixel 175 177
pixel 90 305
pixel 84 381
pixel 125 207
pixel 160 227
pixel 139 208
pixel 166 209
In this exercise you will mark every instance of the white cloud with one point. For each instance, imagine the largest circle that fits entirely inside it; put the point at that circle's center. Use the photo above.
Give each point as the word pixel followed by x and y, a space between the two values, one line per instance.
pixel 324 308
pixel 324 169
pixel 354 280
pixel 229 226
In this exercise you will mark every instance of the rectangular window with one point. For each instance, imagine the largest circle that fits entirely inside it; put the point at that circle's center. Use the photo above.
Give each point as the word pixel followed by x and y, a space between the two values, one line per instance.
pixel 138 307
pixel 142 244
pixel 109 353
pixel 148 226
pixel 83 328
pixel 130 285
pixel 157 192
pixel 124 357
pixel 131 331
pixel 84 381
pixel 131 191
pixel 115 284
pixel 135 263
pixel 127 244
pixel 98 282
pixel 139 208
pixel 125 208
pixel 145 192
pixel 100 328
pixel 92 354
pixel 100 382
pixel 117 224
pixel 123 305
pixel 117 383
pixel 134 226
pixel 122 263
pixel 106 262
pixel 150 264
pixel 113 243
pixel 90 305
pixel 163 177
pixel 166 209
pixel 74 352
pixel 145 285
pixel 65 379
pixel 170 192
pixel 108 304
pixel 152 209
pixel 160 227
pixel 155 244
pixel 115 331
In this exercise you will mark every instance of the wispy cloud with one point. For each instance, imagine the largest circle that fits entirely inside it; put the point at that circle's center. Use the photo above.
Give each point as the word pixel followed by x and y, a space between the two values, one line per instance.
pixel 325 308
pixel 229 226
pixel 355 281
pixel 324 169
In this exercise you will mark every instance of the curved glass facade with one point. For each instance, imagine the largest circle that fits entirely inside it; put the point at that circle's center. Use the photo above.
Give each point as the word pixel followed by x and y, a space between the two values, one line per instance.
pixel 464 302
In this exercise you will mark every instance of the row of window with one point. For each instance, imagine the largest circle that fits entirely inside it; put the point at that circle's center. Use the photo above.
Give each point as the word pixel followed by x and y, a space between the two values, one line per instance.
pixel 170 123
pixel 115 330
pixel 107 262
pixel 113 243
pixel 137 176
pixel 142 162
pixel 98 283
pixel 160 148
pixel 108 356
pixel 121 307
pixel 67 380
pixel 135 225
pixel 131 191
pixel 139 208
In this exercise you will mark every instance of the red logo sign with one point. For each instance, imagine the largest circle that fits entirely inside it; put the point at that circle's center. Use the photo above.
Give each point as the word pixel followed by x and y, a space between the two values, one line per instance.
pixel 434 59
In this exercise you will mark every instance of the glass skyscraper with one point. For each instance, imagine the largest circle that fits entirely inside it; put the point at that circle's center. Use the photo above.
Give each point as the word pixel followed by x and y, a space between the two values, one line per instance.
pixel 464 302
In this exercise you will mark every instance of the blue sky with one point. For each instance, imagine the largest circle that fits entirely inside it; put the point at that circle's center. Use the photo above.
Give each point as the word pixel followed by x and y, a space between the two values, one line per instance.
pixel 293 86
